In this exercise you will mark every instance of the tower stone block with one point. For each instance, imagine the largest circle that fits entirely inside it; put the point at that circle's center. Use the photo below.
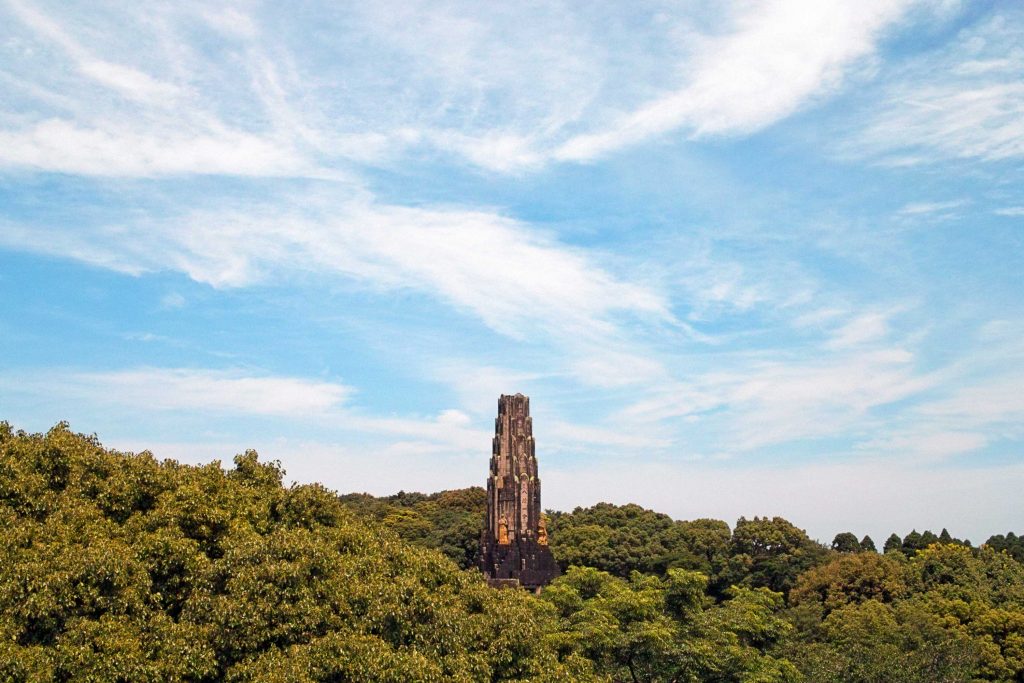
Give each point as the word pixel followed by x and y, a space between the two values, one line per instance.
pixel 514 543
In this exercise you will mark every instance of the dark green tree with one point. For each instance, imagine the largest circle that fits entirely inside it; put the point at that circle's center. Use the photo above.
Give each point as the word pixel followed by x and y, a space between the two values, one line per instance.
pixel 845 542
pixel 1011 543
pixel 771 553
pixel 892 544
pixel 867 545
pixel 912 543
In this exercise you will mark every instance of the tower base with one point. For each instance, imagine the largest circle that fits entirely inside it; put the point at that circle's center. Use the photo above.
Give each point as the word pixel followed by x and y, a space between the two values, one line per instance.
pixel 525 561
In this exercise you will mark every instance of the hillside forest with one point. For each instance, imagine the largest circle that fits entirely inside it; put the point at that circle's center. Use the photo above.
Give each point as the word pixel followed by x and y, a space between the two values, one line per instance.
pixel 122 567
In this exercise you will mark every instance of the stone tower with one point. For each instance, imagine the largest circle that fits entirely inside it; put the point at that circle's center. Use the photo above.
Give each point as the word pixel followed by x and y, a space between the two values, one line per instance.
pixel 514 544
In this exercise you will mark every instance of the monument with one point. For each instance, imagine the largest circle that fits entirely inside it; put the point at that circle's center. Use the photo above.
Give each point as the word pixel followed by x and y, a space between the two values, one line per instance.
pixel 514 543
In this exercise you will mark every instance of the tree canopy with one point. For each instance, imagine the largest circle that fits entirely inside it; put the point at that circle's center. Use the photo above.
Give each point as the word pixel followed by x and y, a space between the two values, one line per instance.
pixel 119 567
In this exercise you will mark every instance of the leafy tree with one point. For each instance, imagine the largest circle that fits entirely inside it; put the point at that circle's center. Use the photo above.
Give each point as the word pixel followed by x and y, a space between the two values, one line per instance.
pixel 912 543
pixel 622 539
pixel 892 544
pixel 867 545
pixel 116 567
pixel 771 553
pixel 1011 543
pixel 703 545
pixel 851 579
pixel 651 629
pixel 449 521
pixel 845 542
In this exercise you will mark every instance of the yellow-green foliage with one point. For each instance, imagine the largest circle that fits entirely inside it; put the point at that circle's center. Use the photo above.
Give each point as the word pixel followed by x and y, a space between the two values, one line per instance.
pixel 949 613
pixel 117 567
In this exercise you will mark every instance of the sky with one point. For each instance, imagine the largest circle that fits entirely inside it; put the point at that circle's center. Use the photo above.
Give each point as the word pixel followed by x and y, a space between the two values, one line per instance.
pixel 746 258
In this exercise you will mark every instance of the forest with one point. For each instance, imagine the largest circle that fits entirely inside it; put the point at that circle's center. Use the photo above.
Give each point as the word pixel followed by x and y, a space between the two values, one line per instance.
pixel 122 567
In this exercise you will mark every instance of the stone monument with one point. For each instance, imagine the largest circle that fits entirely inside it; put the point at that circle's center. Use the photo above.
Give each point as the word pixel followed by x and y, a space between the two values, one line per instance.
pixel 514 544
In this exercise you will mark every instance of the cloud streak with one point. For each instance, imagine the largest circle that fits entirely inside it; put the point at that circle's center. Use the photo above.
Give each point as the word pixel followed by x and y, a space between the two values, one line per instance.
pixel 965 103
pixel 779 56
pixel 504 89
pixel 191 389
pixel 511 276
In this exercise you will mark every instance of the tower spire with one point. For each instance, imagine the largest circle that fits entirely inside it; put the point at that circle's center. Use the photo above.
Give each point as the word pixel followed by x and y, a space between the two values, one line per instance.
pixel 513 545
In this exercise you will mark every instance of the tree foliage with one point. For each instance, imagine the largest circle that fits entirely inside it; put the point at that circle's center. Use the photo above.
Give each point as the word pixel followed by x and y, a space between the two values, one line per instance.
pixel 117 567
pixel 665 629
pixel 449 521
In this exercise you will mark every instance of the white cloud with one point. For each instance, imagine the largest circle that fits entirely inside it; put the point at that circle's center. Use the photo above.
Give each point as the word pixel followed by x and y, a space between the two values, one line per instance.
pixel 572 437
pixel 115 150
pixel 506 88
pixel 1010 211
pixel 994 403
pixel 126 80
pixel 927 208
pixel 952 120
pixel 609 368
pixel 780 55
pixel 964 102
pixel 513 277
pixel 190 390
pixel 864 328
pixel 750 403
pixel 191 395
pixel 926 445
pixel 172 300
pixel 231 22
pixel 118 119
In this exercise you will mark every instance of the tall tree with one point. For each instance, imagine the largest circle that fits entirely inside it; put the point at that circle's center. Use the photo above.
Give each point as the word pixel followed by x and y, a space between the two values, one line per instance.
pixel 845 542
pixel 911 543
pixel 892 544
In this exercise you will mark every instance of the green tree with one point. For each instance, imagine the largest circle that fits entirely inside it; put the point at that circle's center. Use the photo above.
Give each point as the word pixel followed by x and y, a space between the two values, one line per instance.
pixel 845 542
pixel 912 543
pixel 771 553
pixel 626 538
pixel 651 630
pixel 1011 543
pixel 116 567
pixel 867 545
pixel 892 544
pixel 850 579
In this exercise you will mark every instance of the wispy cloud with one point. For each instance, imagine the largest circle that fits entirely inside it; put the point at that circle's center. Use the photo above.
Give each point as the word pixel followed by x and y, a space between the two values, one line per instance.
pixel 1010 211
pixel 191 390
pixel 930 208
pixel 118 119
pixel 124 149
pixel 779 56
pixel 126 80
pixel 240 393
pixel 510 275
pixel 964 103
pixel 864 328
pixel 506 90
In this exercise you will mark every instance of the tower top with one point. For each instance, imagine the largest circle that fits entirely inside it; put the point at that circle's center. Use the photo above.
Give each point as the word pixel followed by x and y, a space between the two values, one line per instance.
pixel 513 398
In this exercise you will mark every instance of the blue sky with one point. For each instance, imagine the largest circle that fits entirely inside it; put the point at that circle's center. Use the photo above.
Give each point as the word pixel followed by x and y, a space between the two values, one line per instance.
pixel 746 258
